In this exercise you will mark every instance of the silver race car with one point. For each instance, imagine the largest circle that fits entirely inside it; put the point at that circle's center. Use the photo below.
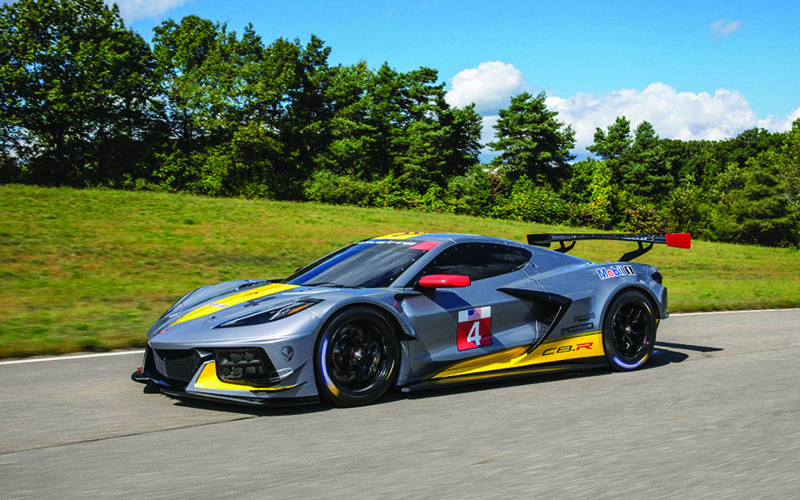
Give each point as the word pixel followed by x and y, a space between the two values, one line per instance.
pixel 410 310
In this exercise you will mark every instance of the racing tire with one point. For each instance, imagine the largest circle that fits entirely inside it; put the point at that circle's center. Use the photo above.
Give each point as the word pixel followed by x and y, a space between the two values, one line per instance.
pixel 629 331
pixel 356 357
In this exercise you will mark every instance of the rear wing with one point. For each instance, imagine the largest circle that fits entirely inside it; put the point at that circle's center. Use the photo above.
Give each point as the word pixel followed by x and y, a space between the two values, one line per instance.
pixel 678 240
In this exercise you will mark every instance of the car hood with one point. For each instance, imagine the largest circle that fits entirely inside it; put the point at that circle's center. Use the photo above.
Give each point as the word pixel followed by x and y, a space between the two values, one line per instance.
pixel 208 308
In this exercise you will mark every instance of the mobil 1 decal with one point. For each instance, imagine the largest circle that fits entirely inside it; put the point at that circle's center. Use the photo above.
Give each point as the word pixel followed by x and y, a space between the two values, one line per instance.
pixel 474 328
pixel 615 271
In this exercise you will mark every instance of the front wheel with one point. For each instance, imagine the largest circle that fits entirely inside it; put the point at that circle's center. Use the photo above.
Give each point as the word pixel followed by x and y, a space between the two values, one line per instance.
pixel 629 331
pixel 356 357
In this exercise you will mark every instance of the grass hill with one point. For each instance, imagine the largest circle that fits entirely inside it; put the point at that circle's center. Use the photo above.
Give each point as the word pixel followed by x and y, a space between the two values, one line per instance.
pixel 92 269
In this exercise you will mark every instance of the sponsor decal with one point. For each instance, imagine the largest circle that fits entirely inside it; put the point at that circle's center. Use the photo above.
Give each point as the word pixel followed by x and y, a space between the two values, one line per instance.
pixel 615 271
pixel 588 345
pixel 474 328
pixel 577 328
pixel 386 242
pixel 583 318
pixel 287 352
pixel 567 348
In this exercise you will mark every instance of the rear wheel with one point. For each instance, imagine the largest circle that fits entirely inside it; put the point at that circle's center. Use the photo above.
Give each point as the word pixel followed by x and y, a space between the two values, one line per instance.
pixel 629 331
pixel 356 357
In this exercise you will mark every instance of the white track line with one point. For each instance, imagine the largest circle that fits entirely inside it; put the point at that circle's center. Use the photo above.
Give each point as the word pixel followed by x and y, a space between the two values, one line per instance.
pixel 734 312
pixel 67 358
pixel 139 352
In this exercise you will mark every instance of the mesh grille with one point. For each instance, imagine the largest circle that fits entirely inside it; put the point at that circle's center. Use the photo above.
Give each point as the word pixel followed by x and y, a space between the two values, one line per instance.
pixel 176 364
pixel 248 364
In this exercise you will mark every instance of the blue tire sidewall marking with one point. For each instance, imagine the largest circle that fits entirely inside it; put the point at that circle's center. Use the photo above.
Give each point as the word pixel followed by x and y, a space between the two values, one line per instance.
pixel 324 364
pixel 630 366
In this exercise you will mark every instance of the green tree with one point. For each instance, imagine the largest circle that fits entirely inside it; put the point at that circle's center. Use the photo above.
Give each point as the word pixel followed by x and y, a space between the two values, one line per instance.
pixel 644 170
pixel 351 135
pixel 245 118
pixel 181 50
pixel 397 127
pixel 788 163
pixel 304 126
pixel 441 141
pixel 591 193
pixel 615 143
pixel 77 92
pixel 531 141
pixel 761 203
pixel 471 194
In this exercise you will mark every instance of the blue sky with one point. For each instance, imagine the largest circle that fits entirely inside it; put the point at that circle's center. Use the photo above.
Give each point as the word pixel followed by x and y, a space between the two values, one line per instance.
pixel 696 70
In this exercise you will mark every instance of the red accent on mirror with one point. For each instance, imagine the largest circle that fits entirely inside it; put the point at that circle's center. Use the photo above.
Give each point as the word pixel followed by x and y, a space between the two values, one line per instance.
pixel 679 240
pixel 444 281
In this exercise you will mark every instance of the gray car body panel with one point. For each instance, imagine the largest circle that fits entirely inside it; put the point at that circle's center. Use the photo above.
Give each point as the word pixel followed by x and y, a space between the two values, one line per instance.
pixel 522 302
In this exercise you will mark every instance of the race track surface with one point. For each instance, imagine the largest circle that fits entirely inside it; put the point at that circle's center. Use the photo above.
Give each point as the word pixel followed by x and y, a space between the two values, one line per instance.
pixel 715 414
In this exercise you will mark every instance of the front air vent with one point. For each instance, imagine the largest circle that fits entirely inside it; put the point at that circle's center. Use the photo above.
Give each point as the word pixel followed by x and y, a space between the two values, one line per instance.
pixel 245 365
pixel 176 364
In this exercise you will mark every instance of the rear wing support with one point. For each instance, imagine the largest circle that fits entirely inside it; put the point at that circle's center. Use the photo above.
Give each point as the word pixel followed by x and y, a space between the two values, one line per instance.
pixel 679 240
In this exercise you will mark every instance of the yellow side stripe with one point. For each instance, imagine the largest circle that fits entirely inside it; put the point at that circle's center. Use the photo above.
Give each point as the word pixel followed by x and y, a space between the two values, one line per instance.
pixel 233 300
pixel 581 346
pixel 208 380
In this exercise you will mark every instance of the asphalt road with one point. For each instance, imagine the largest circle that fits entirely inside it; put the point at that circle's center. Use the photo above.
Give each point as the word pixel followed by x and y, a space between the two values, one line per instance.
pixel 716 414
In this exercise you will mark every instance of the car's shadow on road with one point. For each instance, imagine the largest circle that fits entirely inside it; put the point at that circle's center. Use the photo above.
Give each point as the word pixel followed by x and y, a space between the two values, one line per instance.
pixel 663 354
pixel 661 357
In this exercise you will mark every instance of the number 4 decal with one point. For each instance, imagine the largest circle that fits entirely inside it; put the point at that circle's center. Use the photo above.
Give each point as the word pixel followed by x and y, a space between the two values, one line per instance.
pixel 474 328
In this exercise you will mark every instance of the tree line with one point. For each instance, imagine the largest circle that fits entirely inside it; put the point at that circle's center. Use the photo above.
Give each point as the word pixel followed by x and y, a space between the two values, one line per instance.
pixel 202 109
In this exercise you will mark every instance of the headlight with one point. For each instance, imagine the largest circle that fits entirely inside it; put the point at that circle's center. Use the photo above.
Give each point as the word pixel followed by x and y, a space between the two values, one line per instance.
pixel 274 314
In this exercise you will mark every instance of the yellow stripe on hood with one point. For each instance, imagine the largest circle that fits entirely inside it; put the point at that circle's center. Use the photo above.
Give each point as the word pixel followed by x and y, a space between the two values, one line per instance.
pixel 398 236
pixel 233 300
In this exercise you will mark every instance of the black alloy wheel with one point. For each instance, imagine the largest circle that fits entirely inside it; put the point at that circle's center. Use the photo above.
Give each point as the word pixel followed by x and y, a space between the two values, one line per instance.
pixel 629 331
pixel 356 357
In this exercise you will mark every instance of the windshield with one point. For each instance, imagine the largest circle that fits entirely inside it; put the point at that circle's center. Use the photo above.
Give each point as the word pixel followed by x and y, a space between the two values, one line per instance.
pixel 366 264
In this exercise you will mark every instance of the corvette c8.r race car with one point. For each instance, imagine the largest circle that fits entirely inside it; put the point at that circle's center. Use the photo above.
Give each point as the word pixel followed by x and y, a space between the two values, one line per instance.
pixel 410 310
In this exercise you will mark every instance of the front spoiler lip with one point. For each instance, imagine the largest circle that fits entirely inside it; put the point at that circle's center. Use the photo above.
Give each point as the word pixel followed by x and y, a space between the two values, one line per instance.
pixel 168 390
pixel 262 402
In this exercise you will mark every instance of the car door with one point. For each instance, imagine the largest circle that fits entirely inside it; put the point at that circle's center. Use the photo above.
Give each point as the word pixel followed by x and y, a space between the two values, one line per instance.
pixel 454 324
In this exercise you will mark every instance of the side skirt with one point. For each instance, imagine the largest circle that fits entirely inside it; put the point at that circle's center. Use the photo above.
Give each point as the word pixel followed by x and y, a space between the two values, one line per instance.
pixel 525 371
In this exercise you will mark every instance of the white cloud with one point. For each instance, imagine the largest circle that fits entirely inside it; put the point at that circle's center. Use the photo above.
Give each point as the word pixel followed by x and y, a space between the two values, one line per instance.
pixel 724 28
pixel 490 86
pixel 487 133
pixel 675 115
pixel 136 10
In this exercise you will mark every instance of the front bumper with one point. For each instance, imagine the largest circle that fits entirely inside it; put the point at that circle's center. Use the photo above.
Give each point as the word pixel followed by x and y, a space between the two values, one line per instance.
pixel 193 373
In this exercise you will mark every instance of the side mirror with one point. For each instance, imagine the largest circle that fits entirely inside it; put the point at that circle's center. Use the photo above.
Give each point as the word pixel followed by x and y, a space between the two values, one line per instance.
pixel 444 281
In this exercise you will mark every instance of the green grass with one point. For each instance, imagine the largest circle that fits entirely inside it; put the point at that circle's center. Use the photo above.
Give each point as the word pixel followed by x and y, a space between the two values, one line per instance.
pixel 90 270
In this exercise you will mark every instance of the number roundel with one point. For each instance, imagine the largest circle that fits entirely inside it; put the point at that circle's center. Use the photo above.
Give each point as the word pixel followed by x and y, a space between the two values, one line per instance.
pixel 474 328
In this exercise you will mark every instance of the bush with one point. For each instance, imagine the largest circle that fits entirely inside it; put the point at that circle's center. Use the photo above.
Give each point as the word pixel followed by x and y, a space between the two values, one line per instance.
pixel 471 194
pixel 327 187
pixel 530 203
